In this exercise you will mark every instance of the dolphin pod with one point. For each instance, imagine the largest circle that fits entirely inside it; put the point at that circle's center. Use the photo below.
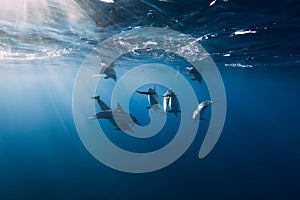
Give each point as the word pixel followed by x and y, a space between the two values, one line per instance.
pixel 170 102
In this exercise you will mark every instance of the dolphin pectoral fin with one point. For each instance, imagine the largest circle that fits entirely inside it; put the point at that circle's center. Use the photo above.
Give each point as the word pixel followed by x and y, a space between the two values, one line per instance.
pixel 106 77
pixel 142 92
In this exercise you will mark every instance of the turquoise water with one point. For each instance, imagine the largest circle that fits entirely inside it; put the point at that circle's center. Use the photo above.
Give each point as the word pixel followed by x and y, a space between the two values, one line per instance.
pixel 255 48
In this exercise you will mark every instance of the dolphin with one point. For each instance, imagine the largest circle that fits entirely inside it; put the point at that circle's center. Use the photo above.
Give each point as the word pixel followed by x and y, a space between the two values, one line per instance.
pixel 196 76
pixel 166 101
pixel 198 113
pixel 123 118
pixel 171 101
pixel 119 109
pixel 109 72
pixel 152 98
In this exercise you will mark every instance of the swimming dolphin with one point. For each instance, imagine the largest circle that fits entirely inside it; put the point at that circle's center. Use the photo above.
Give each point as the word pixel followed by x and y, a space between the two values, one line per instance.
pixel 109 72
pixel 198 113
pixel 196 76
pixel 171 101
pixel 152 98
pixel 123 118
pixel 166 101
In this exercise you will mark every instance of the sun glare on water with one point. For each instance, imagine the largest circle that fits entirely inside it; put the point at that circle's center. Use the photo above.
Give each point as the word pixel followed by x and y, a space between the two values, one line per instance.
pixel 24 11
pixel 25 23
pixel 19 11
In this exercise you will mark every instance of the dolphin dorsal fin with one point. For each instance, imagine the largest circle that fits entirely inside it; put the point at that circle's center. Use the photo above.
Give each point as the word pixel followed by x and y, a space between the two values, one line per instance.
pixel 154 88
pixel 119 107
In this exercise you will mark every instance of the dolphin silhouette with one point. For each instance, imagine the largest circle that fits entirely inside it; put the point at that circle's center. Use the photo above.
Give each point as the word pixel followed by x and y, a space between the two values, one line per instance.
pixel 198 113
pixel 192 71
pixel 171 101
pixel 123 118
pixel 152 98
pixel 109 72
pixel 166 101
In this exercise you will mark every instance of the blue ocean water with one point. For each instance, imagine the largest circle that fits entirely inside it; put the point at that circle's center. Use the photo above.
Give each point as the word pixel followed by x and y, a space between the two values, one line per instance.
pixel 255 46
